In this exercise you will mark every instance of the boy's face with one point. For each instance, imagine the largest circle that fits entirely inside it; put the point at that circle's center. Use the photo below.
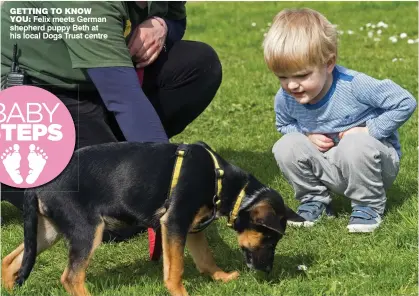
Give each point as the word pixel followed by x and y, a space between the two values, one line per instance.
pixel 308 86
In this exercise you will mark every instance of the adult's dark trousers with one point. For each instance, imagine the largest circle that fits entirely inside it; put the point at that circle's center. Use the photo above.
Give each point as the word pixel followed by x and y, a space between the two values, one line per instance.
pixel 180 84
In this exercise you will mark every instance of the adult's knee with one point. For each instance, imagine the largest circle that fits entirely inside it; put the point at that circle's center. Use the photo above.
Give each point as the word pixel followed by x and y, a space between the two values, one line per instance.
pixel 206 59
pixel 199 63
pixel 289 148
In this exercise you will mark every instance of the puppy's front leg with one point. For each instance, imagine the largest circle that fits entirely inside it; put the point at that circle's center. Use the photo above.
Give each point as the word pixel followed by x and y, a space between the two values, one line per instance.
pixel 198 246
pixel 173 254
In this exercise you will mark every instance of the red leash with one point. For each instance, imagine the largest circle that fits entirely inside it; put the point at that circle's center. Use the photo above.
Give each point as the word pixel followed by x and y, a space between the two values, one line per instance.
pixel 154 237
pixel 140 74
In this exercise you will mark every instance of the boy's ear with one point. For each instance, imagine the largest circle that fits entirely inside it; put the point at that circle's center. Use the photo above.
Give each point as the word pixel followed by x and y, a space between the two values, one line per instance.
pixel 331 63
pixel 264 215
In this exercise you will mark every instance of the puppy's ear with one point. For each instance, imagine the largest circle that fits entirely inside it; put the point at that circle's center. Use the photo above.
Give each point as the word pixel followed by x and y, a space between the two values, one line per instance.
pixel 263 214
pixel 203 144
pixel 292 216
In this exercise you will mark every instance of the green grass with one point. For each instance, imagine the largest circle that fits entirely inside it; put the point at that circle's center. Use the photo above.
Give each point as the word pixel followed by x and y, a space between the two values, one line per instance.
pixel 239 124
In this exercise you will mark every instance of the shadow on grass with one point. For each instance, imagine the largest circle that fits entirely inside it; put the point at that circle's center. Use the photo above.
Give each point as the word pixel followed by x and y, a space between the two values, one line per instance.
pixel 397 195
pixel 143 271
pixel 10 214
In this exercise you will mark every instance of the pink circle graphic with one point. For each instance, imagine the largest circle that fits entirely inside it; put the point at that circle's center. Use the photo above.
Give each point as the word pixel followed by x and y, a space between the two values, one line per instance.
pixel 37 136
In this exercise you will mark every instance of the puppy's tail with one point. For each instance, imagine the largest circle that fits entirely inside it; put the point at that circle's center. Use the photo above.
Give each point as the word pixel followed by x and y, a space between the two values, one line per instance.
pixel 30 229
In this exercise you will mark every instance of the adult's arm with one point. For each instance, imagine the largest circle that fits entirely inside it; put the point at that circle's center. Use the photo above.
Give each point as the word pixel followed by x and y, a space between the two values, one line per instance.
pixel 122 94
pixel 109 65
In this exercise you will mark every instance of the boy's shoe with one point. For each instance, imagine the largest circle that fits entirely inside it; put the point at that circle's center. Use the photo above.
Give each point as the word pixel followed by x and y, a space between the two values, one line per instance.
pixel 363 219
pixel 311 212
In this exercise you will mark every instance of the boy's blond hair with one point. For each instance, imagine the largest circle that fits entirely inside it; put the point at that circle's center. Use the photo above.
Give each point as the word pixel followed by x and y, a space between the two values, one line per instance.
pixel 299 38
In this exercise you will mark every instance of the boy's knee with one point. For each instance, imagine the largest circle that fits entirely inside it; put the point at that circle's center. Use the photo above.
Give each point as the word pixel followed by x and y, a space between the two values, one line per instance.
pixel 357 148
pixel 285 150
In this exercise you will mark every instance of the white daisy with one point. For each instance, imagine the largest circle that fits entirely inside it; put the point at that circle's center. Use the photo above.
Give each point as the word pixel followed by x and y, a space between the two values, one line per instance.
pixel 393 39
pixel 382 25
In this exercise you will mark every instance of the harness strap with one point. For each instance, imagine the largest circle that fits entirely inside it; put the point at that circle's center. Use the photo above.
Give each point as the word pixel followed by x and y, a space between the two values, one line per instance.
pixel 235 211
pixel 219 173
pixel 180 153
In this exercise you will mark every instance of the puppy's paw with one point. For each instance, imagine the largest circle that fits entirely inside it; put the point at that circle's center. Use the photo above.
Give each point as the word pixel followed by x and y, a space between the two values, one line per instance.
pixel 7 278
pixel 179 292
pixel 225 276
pixel 8 285
pixel 176 289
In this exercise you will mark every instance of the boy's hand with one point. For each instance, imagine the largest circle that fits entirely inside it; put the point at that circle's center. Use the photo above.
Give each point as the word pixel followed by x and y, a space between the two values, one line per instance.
pixel 354 130
pixel 322 142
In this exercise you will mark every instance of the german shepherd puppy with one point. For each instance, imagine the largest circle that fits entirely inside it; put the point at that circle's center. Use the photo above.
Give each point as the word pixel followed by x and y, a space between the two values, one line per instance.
pixel 109 186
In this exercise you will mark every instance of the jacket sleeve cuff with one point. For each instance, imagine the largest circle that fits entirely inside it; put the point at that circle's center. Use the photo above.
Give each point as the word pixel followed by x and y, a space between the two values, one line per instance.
pixel 175 30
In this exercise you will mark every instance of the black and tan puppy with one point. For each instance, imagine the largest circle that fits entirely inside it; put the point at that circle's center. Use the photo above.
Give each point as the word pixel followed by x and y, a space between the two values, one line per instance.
pixel 154 185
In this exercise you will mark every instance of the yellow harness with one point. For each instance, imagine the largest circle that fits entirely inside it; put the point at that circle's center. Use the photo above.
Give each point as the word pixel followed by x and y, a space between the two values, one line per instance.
pixel 180 153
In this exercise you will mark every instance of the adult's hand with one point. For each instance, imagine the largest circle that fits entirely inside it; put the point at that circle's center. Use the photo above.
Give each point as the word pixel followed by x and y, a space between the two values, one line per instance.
pixel 322 142
pixel 147 41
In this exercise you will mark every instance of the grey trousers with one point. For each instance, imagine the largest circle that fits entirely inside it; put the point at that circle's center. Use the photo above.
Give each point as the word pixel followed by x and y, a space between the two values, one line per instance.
pixel 360 167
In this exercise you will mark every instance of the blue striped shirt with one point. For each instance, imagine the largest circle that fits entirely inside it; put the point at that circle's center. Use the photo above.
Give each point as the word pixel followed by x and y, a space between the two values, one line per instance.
pixel 354 99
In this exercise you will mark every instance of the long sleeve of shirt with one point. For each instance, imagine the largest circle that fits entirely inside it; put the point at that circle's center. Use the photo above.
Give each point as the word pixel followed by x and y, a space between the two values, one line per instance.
pixel 394 104
pixel 122 94
pixel 284 122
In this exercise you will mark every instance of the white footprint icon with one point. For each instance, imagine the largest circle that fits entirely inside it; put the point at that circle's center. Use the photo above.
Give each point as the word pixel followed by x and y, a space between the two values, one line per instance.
pixel 37 160
pixel 11 161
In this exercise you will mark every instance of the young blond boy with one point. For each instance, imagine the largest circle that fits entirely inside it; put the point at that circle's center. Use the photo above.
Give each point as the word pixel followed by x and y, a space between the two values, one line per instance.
pixel 339 126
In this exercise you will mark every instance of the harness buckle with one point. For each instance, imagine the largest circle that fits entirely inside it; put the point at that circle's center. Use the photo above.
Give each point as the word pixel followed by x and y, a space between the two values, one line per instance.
pixel 216 201
pixel 180 153
pixel 219 173
pixel 182 150
pixel 230 221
